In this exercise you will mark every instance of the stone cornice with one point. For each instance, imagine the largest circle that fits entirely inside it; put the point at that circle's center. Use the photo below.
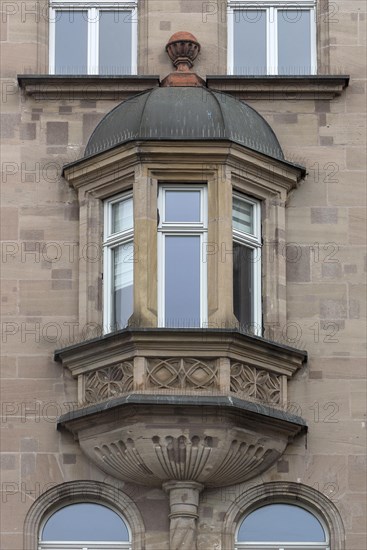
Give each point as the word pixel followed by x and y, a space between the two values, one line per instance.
pixel 94 87
pixel 279 87
pixel 205 343
pixel 89 87
pixel 100 170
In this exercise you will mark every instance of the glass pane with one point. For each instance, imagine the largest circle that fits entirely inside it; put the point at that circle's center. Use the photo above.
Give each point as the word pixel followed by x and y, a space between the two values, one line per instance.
pixel 123 284
pixel 122 215
pixel 281 523
pixel 82 522
pixel 242 285
pixel 294 42
pixel 182 206
pixel 182 281
pixel 115 33
pixel 243 219
pixel 249 42
pixel 71 42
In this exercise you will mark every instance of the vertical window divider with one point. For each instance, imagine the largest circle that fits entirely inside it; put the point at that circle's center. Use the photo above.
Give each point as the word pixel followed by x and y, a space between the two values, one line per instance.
pixel 93 39
pixel 52 41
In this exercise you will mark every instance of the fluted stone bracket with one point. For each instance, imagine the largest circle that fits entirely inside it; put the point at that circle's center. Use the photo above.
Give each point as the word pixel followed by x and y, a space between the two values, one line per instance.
pixel 217 441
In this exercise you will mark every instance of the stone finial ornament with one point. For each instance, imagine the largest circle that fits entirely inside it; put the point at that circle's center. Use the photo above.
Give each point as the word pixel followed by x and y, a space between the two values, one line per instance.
pixel 183 48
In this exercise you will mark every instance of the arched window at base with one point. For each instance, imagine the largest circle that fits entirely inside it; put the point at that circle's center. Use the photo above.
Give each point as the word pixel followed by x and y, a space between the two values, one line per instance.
pixel 91 502
pixel 267 503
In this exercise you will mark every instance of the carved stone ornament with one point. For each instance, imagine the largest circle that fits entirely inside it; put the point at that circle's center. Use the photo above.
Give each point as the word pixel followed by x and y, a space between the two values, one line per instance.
pixel 217 442
pixel 108 382
pixel 183 373
pixel 254 383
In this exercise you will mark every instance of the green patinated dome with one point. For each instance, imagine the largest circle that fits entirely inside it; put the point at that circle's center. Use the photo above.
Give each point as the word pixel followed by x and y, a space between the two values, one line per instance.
pixel 184 113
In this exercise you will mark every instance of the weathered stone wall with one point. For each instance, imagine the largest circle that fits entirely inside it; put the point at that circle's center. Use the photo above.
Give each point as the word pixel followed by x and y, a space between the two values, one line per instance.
pixel 326 270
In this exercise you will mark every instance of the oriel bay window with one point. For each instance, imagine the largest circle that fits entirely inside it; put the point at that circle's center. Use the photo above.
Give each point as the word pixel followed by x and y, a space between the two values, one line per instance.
pixel 89 37
pixel 182 271
pixel 118 261
pixel 275 37
pixel 247 263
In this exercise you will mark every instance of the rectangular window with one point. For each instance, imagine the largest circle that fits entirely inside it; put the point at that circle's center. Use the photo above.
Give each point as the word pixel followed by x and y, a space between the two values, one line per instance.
pixel 118 262
pixel 182 232
pixel 247 263
pixel 274 37
pixel 89 37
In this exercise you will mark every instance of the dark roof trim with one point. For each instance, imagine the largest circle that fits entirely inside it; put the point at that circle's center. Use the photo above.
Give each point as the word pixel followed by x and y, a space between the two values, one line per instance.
pixel 228 402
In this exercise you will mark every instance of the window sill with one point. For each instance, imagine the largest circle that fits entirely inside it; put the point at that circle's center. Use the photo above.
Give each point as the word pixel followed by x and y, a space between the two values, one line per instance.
pixel 90 87
pixel 94 87
pixel 280 87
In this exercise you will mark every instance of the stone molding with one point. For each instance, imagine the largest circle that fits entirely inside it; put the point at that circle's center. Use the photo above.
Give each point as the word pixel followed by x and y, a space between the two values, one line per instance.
pixel 213 441
pixel 284 492
pixel 93 87
pixel 273 88
pixel 73 492
pixel 212 362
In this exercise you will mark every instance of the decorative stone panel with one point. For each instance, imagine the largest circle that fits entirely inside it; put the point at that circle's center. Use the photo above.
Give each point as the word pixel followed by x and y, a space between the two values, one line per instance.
pixel 182 373
pixel 257 384
pixel 108 382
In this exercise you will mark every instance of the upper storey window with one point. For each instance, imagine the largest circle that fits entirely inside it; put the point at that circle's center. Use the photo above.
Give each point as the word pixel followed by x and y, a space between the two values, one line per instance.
pixel 274 37
pixel 118 261
pixel 246 263
pixel 93 37
pixel 182 271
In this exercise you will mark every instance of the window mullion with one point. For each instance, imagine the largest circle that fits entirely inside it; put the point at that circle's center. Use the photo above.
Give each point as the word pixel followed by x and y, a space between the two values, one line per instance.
pixel 272 41
pixel 52 39
pixel 313 41
pixel 93 36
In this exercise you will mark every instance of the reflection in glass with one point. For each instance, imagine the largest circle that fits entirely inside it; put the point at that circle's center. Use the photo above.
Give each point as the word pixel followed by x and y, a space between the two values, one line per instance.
pixel 122 215
pixel 281 523
pixel 85 522
pixel 243 285
pixel 182 206
pixel 182 281
pixel 123 262
pixel 243 216
pixel 71 42
pixel 115 30
pixel 294 42
pixel 249 41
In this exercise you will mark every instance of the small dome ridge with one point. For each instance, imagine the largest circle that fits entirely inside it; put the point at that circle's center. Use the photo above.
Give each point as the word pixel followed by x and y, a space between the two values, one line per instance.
pixel 184 114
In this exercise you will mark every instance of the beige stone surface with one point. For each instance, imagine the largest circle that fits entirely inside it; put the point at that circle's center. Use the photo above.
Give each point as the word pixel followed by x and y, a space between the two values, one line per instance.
pixel 50 291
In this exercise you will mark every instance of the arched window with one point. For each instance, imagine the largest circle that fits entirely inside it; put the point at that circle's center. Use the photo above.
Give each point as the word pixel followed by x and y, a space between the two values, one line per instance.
pixel 282 527
pixel 85 526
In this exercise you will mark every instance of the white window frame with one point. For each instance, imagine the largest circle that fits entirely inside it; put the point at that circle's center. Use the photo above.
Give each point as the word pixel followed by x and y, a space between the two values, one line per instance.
pixel 254 242
pixel 84 545
pixel 182 228
pixel 110 242
pixel 277 545
pixel 271 7
pixel 93 7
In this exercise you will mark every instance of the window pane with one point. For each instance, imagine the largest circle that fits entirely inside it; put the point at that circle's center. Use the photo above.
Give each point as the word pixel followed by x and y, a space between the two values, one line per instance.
pixel 122 215
pixel 123 284
pixel 243 216
pixel 82 522
pixel 115 29
pixel 294 42
pixel 249 46
pixel 182 281
pixel 281 523
pixel 182 206
pixel 71 42
pixel 242 285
